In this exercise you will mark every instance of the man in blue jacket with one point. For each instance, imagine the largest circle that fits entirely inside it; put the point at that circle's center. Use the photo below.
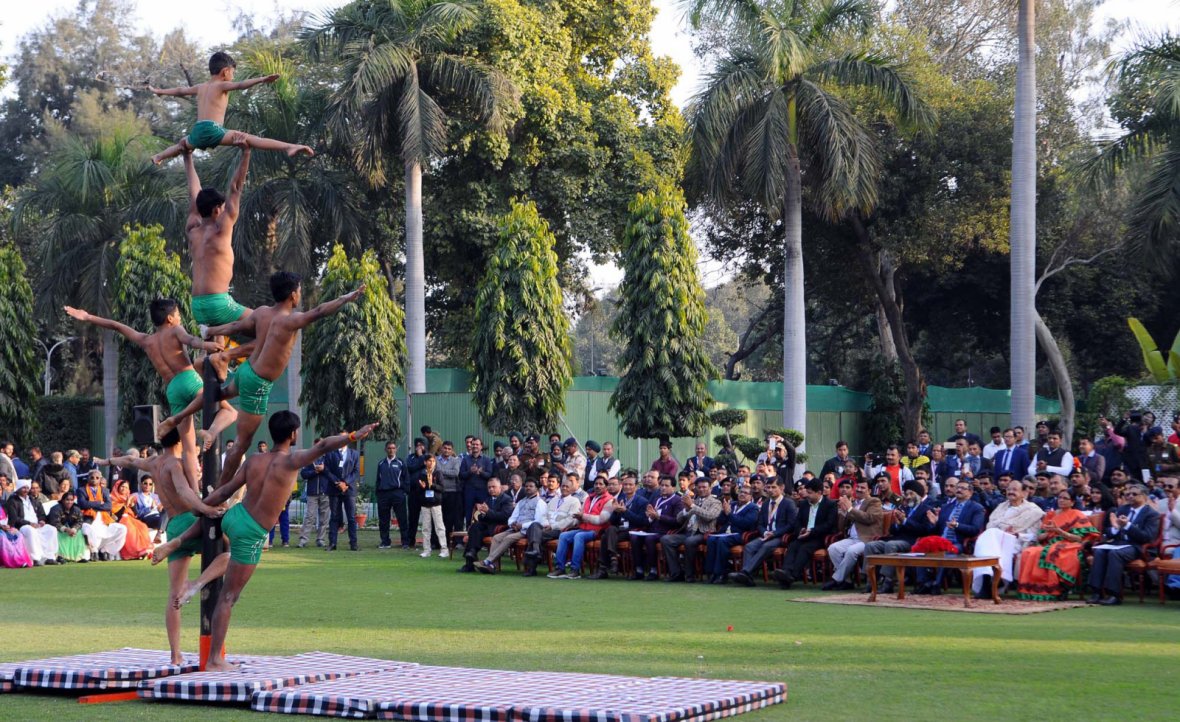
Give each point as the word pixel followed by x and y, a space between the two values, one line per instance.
pixel 392 489
pixel 1128 528
pixel 474 471
pixel 958 521
pixel 317 480
pixel 915 519
pixel 776 519
pixel 735 520
pixel 345 463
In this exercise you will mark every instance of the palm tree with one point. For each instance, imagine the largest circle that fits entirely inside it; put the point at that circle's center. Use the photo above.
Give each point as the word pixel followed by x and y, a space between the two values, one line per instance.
pixel 79 207
pixel 767 120
pixel 397 65
pixel 1022 238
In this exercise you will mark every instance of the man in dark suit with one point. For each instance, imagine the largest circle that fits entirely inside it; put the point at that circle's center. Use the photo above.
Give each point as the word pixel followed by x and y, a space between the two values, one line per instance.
pixel 485 517
pixel 959 520
pixel 393 487
pixel 1130 527
pixel 474 471
pixel 816 520
pixel 662 518
pixel 317 515
pixel 776 519
pixel 1011 459
pixel 912 521
pixel 344 463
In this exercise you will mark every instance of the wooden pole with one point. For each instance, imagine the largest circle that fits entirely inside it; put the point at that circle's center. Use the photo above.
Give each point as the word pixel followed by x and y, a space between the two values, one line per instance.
pixel 212 545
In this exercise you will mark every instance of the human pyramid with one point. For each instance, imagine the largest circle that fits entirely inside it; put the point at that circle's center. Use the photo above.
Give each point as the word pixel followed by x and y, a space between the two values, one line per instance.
pixel 272 330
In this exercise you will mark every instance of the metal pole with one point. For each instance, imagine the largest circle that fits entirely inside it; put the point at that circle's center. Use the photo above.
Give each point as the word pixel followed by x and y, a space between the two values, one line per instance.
pixel 212 545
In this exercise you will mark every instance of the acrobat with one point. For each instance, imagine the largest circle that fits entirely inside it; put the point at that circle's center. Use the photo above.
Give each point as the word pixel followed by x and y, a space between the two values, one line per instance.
pixel 268 478
pixel 212 99
pixel 274 329
pixel 165 349
pixel 179 497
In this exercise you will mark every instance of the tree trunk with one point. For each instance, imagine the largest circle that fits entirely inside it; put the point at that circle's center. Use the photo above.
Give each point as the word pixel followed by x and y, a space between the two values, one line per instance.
pixel 415 283
pixel 881 272
pixel 110 391
pixel 885 333
pixel 295 383
pixel 1023 228
pixel 794 300
pixel 1061 377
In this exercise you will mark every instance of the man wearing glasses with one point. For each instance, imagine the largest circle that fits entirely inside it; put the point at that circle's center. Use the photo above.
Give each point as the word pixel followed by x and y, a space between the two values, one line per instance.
pixel 1129 527
pixel 1012 525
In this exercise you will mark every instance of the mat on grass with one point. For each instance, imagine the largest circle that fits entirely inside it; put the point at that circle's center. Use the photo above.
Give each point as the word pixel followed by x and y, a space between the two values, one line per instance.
pixel 116 669
pixel 943 603
pixel 261 673
pixel 453 694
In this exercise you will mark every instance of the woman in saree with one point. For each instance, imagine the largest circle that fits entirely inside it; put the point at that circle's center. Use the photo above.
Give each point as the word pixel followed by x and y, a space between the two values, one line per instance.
pixel 139 536
pixel 13 553
pixel 1049 571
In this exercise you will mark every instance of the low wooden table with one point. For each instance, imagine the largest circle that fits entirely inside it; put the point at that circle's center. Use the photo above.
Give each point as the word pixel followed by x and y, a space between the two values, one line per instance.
pixel 962 562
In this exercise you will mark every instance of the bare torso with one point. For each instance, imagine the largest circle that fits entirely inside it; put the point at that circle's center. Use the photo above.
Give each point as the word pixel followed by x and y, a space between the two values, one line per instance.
pixel 269 478
pixel 169 474
pixel 212 99
pixel 166 352
pixel 276 339
pixel 210 244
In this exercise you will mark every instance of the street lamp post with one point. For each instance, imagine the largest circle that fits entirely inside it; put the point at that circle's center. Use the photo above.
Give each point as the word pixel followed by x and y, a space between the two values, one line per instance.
pixel 49 357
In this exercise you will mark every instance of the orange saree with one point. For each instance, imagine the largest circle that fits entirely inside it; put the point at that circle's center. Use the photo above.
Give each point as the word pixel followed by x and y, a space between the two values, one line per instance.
pixel 139 535
pixel 1048 573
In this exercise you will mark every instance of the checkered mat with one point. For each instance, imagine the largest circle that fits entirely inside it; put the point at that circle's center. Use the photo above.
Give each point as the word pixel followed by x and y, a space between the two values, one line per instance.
pixel 117 669
pixel 450 694
pixel 261 673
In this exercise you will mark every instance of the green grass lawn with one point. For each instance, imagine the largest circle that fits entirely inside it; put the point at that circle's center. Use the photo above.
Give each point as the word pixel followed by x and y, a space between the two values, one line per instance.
pixel 852 663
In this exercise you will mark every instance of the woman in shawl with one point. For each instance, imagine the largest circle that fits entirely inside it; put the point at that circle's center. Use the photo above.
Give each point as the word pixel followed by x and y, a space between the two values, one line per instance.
pixel 1048 572
pixel 139 537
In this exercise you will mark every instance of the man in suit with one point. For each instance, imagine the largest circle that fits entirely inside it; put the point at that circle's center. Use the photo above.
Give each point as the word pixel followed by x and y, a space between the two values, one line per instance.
pixel 393 487
pixel 816 521
pixel 485 517
pixel 317 482
pixel 1093 463
pixel 699 512
pixel 344 462
pixel 910 522
pixel 701 464
pixel 627 513
pixel 861 521
pixel 957 521
pixel 474 471
pixel 1130 527
pixel 662 513
pixel 1012 459
pixel 961 432
pixel 736 519
pixel 776 519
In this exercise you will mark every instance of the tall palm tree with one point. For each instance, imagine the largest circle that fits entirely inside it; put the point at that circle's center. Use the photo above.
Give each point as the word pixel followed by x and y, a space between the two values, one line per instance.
pixel 78 206
pixel 767 121
pixel 398 66
pixel 1022 238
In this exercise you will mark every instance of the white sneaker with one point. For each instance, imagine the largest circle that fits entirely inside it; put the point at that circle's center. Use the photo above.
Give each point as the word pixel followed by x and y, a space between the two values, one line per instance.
pixel 444 554
pixel 425 554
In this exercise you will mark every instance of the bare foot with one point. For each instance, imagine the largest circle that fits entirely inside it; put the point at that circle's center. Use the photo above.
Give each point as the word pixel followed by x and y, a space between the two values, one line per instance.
pixel 205 439
pixel 220 363
pixel 191 590
pixel 178 659
pixel 219 665
pixel 161 552
pixel 300 150
pixel 165 427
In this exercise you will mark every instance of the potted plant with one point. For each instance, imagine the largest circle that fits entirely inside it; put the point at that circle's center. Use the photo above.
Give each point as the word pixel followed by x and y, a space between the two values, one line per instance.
pixel 362 505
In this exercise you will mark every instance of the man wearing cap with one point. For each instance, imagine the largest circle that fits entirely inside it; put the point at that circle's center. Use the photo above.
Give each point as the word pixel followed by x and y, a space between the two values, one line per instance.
pixel 911 521
pixel 666 464
pixel 573 462
pixel 26 515
pixel 475 470
pixel 531 459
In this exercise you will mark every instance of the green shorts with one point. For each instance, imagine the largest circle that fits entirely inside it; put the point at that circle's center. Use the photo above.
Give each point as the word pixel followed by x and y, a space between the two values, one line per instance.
pixel 205 134
pixel 182 389
pixel 253 390
pixel 246 537
pixel 216 309
pixel 178 525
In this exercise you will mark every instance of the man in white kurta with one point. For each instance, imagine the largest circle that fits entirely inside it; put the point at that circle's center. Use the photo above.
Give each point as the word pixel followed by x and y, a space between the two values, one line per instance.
pixel 1012 526
pixel 40 538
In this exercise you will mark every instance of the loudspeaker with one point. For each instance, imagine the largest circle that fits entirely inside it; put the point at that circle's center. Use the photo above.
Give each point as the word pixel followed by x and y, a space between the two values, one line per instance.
pixel 144 420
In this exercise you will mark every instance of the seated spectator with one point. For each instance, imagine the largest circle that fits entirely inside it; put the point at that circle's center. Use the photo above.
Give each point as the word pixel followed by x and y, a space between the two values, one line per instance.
pixel 934 489
pixel 1050 569
pixel 1099 499
pixel 627 513
pixel 844 490
pixel 52 474
pixel 815 522
pixel 138 543
pixel 485 517
pixel 1129 527
pixel 910 522
pixel 561 511
pixel 27 516
pixel 860 521
pixel 735 520
pixel 701 464
pixel 13 554
pixel 698 517
pixel 958 520
pixel 684 482
pixel 593 517
pixel 662 519
pixel 1170 510
pixel 36 495
pixel 986 493
pixel 776 520
pixel 66 517
pixel 883 490
pixel 528 518
pixel 146 505
pixel 1012 526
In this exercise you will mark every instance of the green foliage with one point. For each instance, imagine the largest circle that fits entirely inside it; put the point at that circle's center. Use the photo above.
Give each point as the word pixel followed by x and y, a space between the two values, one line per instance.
pixel 144 272
pixel 1162 368
pixel 728 418
pixel 883 422
pixel 65 423
pixel 663 390
pixel 750 446
pixel 792 437
pixel 521 350
pixel 354 359
pixel 20 362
